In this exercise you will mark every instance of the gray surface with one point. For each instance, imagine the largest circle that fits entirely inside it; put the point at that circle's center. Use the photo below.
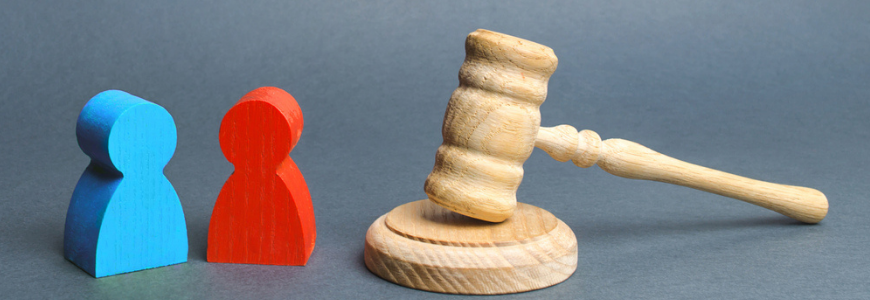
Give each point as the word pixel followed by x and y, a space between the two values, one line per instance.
pixel 776 90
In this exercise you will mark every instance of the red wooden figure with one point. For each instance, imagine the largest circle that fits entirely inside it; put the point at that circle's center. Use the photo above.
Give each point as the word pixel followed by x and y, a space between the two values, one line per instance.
pixel 263 214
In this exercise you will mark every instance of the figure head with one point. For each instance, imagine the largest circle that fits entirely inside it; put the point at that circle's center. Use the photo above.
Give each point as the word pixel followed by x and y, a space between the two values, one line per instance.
pixel 261 128
pixel 124 132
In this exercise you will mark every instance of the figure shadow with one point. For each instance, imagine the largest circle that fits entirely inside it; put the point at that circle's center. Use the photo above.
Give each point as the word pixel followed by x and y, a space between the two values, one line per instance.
pixel 38 237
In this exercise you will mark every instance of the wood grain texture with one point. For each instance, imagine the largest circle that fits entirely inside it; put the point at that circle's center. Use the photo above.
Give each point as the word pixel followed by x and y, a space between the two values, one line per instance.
pixel 124 215
pixel 490 125
pixel 632 160
pixel 263 214
pixel 424 246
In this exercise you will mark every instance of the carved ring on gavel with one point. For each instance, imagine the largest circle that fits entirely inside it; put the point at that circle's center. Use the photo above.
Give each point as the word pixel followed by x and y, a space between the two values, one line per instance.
pixel 492 124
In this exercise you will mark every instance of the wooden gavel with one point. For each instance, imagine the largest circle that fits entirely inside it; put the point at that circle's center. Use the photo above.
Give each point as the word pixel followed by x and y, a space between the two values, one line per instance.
pixel 492 124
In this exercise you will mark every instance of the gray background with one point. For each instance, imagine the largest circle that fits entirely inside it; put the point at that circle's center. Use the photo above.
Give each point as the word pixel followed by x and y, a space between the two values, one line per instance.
pixel 774 90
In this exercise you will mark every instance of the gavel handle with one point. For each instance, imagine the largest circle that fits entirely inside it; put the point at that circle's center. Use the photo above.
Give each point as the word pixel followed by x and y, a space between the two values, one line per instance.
pixel 631 160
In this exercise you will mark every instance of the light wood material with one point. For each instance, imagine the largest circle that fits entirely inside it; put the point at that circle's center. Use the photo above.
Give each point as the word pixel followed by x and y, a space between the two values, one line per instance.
pixel 632 160
pixel 490 125
pixel 424 246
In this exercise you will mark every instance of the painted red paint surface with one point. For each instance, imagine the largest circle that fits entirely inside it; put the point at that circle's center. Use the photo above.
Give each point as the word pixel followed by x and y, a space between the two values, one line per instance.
pixel 263 214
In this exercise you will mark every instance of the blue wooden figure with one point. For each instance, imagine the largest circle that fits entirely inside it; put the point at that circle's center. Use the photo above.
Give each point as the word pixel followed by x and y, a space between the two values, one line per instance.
pixel 125 215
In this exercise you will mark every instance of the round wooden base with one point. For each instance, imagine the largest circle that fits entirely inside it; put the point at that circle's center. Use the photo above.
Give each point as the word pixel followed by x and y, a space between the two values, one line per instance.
pixel 424 246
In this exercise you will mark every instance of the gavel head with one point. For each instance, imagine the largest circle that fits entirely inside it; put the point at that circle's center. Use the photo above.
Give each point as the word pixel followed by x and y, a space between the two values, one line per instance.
pixel 490 125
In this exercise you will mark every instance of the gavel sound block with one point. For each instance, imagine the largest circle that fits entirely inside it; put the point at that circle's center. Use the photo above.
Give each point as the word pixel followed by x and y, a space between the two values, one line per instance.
pixel 491 126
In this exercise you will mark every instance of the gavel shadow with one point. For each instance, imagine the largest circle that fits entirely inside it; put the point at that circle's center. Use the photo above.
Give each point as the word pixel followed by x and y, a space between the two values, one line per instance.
pixel 628 229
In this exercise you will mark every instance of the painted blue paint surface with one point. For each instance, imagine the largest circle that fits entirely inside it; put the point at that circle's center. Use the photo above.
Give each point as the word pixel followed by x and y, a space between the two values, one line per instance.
pixel 124 215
